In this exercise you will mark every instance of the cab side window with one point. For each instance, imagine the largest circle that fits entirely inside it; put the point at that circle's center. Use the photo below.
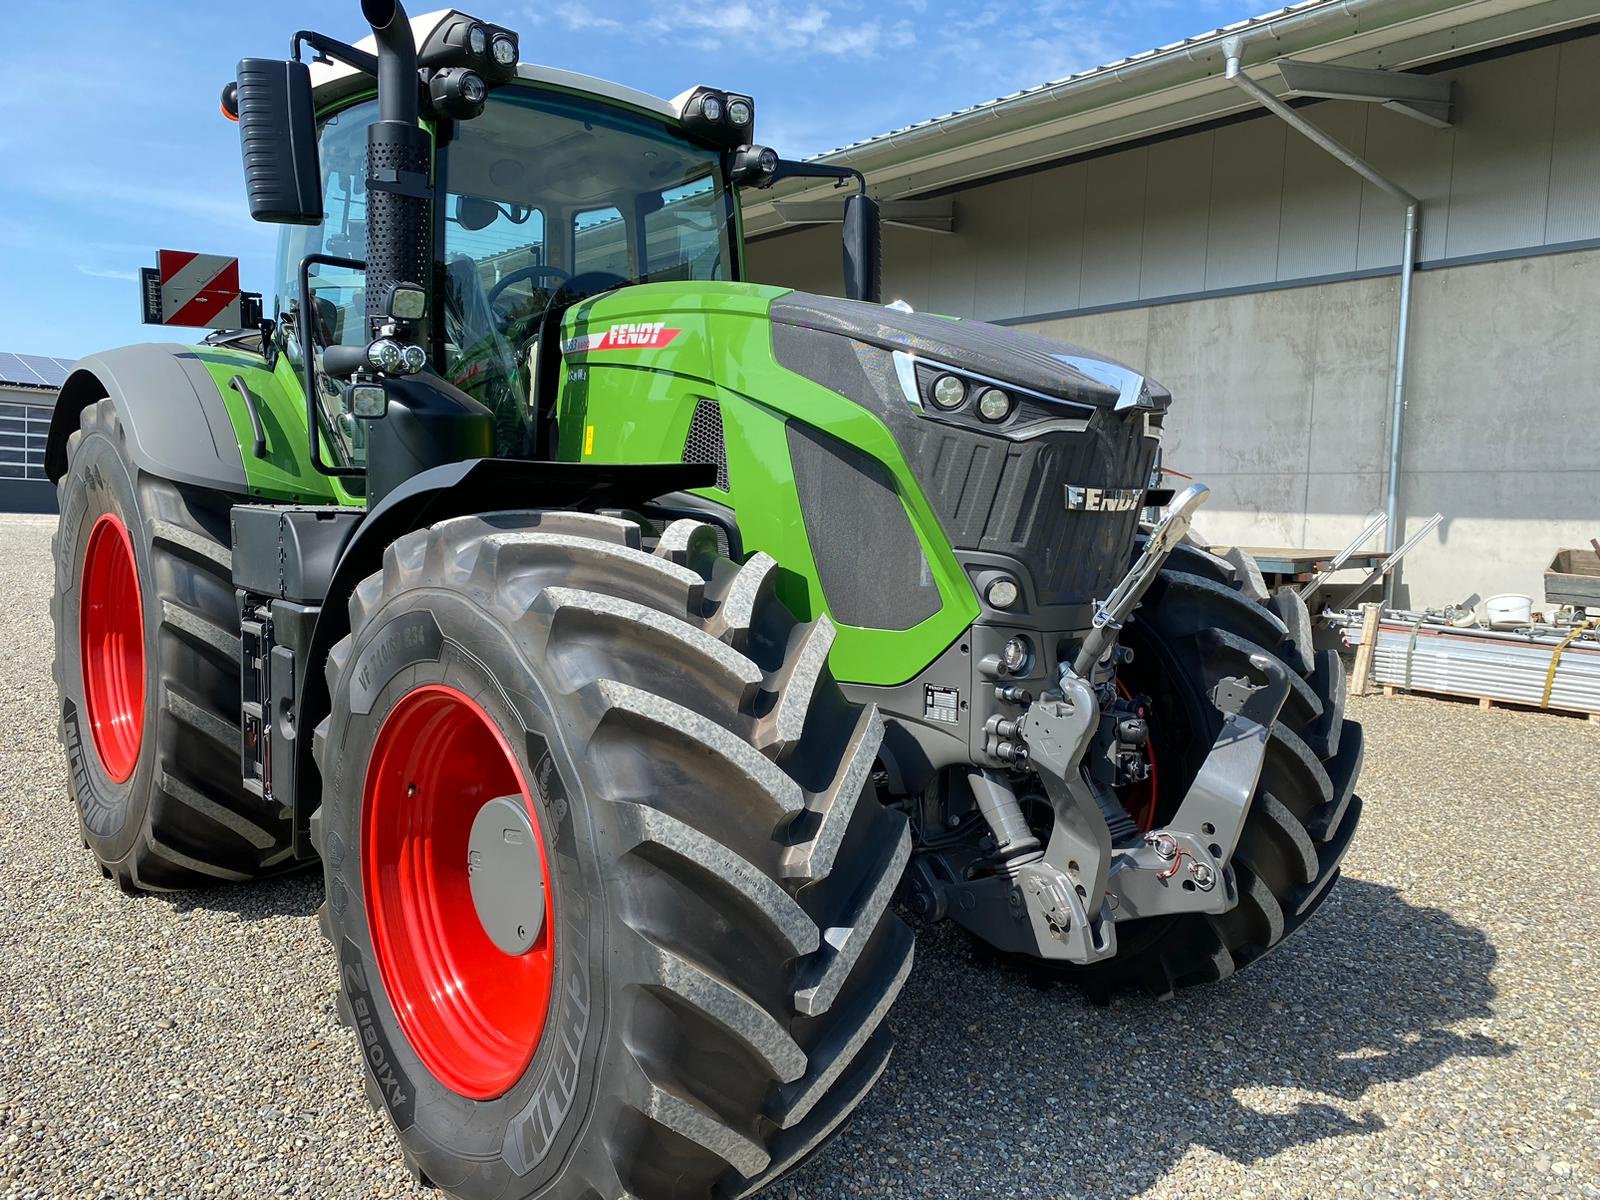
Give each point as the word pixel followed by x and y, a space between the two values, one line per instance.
pixel 338 295
pixel 343 233
pixel 600 243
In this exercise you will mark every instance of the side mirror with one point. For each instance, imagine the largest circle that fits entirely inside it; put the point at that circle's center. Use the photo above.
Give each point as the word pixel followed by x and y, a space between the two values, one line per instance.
pixel 863 250
pixel 278 139
pixel 863 245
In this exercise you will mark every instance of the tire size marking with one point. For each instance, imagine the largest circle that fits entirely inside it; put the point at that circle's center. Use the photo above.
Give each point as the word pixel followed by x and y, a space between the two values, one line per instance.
pixel 100 816
pixel 411 638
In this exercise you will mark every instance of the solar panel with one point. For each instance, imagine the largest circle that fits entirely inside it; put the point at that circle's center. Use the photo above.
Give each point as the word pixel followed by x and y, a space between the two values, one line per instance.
pixel 48 370
pixel 34 370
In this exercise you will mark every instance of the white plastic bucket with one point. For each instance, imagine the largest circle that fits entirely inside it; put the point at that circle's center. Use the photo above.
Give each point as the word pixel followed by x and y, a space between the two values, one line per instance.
pixel 1509 610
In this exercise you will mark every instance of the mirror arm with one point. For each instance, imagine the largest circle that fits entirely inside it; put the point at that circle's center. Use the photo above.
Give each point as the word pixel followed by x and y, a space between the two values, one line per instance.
pixel 789 168
pixel 327 47
pixel 308 355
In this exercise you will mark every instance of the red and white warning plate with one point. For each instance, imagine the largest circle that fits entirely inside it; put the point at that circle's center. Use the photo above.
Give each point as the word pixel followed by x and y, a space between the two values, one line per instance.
pixel 193 289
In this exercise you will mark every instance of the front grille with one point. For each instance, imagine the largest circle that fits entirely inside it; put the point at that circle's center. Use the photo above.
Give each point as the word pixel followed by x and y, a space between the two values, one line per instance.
pixel 1010 498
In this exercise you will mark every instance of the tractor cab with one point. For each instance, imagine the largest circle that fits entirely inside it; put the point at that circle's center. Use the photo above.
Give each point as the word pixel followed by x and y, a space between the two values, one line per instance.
pixel 547 188
pixel 547 196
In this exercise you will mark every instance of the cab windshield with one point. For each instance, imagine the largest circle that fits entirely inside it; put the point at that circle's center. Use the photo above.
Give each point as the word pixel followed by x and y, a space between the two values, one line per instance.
pixel 545 197
pixel 550 195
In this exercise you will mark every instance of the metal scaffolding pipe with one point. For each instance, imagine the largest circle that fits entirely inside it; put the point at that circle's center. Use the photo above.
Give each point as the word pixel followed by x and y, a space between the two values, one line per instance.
pixel 1233 49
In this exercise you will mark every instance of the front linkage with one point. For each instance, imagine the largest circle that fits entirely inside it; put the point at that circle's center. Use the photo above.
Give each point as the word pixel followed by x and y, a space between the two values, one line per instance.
pixel 1085 879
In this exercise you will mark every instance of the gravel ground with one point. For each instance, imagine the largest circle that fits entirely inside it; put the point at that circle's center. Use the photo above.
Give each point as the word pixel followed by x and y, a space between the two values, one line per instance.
pixel 1432 1032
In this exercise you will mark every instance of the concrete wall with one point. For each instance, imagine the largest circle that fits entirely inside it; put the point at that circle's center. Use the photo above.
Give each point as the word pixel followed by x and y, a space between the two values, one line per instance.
pixel 1281 405
pixel 1250 272
pixel 1253 203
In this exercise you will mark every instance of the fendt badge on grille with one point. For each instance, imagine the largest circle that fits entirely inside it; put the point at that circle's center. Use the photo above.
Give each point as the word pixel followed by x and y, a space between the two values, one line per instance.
pixel 1096 499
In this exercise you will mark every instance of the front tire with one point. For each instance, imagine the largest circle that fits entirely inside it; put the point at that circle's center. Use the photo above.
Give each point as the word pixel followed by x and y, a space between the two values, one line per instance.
pixel 147 670
pixel 718 953
pixel 1200 623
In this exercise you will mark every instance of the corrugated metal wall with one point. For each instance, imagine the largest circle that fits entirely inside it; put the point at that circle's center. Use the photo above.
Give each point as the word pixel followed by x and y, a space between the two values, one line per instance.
pixel 1254 203
pixel 1168 258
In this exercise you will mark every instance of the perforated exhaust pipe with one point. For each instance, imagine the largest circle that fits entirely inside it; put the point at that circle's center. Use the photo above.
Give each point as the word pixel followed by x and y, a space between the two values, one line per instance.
pixel 398 151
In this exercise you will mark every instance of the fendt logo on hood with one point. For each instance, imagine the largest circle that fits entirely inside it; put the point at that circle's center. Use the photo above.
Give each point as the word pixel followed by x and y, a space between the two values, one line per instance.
pixel 640 335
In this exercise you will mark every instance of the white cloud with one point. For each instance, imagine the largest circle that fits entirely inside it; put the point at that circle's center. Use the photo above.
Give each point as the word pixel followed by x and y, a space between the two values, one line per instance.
pixel 105 273
pixel 761 26
pixel 97 191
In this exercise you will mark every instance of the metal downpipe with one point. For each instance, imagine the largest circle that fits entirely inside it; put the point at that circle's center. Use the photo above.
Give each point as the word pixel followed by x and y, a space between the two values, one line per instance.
pixel 1234 49
pixel 1397 407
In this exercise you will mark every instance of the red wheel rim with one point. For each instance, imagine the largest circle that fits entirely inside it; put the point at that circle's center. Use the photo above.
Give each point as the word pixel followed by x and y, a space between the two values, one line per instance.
pixel 473 1013
pixel 1140 798
pixel 111 646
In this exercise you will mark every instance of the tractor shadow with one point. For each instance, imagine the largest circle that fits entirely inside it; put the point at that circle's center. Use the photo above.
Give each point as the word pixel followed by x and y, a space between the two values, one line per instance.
pixel 295 894
pixel 1001 1088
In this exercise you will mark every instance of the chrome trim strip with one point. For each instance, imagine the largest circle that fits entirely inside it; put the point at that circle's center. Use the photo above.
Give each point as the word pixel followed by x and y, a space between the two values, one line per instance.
pixel 905 369
pixel 1132 391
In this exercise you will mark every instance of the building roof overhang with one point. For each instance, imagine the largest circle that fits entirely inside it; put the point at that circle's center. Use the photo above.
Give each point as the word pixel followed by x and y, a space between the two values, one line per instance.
pixel 1167 89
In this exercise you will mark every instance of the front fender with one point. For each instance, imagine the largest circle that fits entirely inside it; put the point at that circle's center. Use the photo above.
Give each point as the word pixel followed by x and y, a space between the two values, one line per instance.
pixel 458 489
pixel 176 421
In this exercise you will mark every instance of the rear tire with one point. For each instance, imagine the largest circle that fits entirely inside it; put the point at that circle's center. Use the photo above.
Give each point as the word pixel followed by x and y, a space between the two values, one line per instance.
pixel 722 953
pixel 1197 625
pixel 164 808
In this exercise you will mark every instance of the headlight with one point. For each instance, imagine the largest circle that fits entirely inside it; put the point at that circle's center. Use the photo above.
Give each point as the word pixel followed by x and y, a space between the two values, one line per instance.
pixel 949 392
pixel 739 112
pixel 711 108
pixel 386 354
pixel 368 400
pixel 457 93
pixel 1016 655
pixel 478 40
pixel 415 359
pixel 1002 593
pixel 994 405
pixel 505 49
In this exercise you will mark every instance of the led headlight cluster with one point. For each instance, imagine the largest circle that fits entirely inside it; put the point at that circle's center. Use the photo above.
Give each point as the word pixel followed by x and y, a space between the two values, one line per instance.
pixel 392 358
pixel 722 118
pixel 950 392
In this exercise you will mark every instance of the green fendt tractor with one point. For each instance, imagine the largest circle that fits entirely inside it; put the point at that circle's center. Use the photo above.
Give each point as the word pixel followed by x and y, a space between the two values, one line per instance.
pixel 623 636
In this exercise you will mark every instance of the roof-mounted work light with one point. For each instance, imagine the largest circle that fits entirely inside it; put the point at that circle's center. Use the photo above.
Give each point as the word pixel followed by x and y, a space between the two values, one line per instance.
pixel 725 119
pixel 462 41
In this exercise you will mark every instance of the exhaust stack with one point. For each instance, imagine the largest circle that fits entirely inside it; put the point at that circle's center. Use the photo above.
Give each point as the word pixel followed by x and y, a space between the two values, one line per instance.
pixel 398 152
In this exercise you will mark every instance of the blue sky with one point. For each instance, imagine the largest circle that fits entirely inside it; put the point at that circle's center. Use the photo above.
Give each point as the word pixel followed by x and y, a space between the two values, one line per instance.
pixel 114 146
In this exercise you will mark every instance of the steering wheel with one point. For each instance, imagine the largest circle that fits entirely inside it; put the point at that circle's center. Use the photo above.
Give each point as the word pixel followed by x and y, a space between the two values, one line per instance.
pixel 536 271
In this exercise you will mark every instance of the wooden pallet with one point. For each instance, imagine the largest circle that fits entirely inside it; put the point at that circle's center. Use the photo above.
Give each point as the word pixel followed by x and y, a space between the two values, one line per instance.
pixel 1392 690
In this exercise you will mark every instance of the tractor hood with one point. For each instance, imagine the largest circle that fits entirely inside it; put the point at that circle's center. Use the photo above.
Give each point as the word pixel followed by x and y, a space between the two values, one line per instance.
pixel 1021 361
pixel 1035 455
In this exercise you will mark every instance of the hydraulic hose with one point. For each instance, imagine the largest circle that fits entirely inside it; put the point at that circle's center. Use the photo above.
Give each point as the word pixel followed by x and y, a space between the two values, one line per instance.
pixel 1014 841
